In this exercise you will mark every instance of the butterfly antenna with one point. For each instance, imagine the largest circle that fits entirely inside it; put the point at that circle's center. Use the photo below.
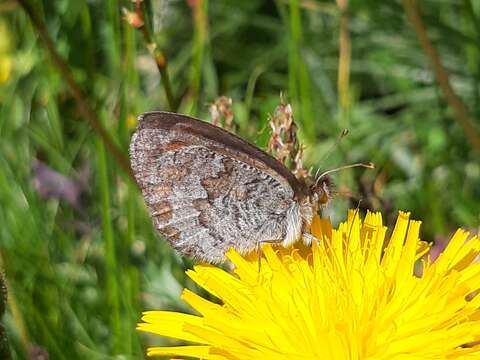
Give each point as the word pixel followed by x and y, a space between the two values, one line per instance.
pixel 369 165
pixel 331 148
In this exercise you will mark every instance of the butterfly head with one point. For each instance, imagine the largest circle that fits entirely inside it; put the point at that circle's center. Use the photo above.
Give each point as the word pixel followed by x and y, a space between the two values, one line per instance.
pixel 321 189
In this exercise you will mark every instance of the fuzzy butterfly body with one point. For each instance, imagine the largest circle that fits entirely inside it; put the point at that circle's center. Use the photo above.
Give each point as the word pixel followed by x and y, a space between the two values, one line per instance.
pixel 209 190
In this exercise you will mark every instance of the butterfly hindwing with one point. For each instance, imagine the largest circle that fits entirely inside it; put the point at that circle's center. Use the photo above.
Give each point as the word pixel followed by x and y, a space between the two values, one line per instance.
pixel 206 193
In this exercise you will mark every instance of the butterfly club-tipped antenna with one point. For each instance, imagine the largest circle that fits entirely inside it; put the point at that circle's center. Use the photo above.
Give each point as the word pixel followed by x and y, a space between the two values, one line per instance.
pixel 331 148
pixel 369 165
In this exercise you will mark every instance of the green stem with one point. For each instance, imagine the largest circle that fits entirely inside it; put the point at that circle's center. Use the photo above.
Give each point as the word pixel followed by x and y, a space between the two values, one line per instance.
pixel 299 79
pixel 130 275
pixel 343 79
pixel 110 251
pixel 158 56
pixel 199 9
pixel 460 111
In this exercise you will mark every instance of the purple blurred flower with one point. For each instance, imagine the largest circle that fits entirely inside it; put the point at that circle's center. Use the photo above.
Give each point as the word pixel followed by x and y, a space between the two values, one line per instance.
pixel 50 184
pixel 38 353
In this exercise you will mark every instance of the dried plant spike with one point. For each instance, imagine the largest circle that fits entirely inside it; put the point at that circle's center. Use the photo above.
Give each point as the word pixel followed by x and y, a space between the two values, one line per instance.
pixel 299 170
pixel 133 18
pixel 283 143
pixel 221 113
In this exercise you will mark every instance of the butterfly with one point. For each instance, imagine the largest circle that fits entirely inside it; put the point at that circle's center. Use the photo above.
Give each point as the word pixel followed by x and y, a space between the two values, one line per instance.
pixel 209 190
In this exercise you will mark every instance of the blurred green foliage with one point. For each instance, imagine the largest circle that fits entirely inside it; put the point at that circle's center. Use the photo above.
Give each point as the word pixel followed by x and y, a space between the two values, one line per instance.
pixel 81 271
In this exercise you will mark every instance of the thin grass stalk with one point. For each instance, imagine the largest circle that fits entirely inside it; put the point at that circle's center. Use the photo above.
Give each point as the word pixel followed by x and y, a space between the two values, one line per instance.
pixel 112 291
pixel 343 80
pixel 114 36
pixel 473 51
pixel 299 79
pixel 14 310
pixel 471 13
pixel 130 276
pixel 200 30
pixel 250 90
pixel 157 54
pixel 460 111
pixel 293 92
pixel 86 25
pixel 54 350
pixel 114 275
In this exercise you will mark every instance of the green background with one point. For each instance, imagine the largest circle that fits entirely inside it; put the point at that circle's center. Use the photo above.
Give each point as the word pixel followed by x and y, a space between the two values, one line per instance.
pixel 80 273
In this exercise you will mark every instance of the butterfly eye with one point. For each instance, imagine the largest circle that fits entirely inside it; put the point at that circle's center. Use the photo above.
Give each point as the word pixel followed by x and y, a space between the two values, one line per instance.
pixel 324 196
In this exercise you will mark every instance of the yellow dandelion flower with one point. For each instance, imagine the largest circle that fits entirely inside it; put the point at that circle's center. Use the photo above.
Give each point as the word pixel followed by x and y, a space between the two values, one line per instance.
pixel 131 121
pixel 352 295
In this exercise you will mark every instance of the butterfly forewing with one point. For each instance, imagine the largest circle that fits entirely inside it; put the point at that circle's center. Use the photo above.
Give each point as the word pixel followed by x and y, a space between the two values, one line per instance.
pixel 207 189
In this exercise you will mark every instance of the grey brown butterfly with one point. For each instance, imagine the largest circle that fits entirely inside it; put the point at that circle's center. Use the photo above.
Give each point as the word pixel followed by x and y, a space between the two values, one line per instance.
pixel 209 190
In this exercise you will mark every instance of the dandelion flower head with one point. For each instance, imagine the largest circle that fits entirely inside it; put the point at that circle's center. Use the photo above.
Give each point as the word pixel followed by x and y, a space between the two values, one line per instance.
pixel 351 295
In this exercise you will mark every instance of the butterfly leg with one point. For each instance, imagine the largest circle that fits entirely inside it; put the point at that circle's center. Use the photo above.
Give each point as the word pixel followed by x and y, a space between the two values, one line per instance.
pixel 309 238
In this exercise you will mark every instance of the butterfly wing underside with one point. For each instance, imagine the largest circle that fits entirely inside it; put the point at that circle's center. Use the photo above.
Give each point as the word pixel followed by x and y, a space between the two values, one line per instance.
pixel 208 190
